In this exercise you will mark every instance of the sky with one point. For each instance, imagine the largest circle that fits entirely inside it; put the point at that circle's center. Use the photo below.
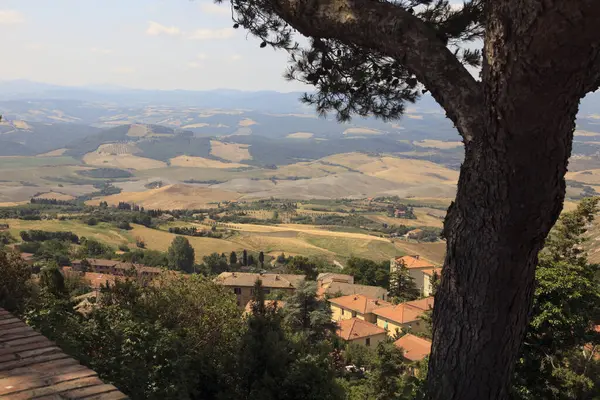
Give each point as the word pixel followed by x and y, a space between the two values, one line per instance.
pixel 148 44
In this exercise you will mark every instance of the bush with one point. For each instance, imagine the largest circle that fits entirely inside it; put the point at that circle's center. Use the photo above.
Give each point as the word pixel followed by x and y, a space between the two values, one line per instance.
pixel 124 225
pixel 124 247
pixel 139 242
pixel 91 221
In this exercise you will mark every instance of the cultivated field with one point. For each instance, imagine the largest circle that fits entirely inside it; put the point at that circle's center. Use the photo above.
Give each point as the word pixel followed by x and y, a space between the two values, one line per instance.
pixel 437 144
pixel 200 162
pixel 230 151
pixel 125 161
pixel 300 135
pixel 170 197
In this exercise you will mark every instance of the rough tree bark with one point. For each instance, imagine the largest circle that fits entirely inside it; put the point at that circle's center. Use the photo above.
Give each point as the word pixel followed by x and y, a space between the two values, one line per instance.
pixel 540 58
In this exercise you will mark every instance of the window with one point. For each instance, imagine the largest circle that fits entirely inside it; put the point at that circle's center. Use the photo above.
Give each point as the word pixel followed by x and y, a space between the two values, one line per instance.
pixel 342 312
pixel 251 291
pixel 385 325
pixel 368 342
pixel 353 314
pixel 267 291
pixel 237 290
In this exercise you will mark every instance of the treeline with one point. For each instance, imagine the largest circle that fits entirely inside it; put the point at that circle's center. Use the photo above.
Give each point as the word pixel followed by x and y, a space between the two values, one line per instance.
pixel 35 235
pixel 53 202
pixel 193 231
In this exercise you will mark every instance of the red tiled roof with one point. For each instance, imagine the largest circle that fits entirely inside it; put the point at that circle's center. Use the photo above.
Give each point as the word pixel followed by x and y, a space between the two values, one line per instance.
pixel 31 366
pixel 414 262
pixel 356 328
pixel 405 312
pixel 359 303
pixel 415 348
pixel 430 272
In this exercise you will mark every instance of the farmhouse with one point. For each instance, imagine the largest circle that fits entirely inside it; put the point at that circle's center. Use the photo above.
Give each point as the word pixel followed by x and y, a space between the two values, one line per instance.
pixel 404 316
pixel 242 283
pixel 355 330
pixel 356 306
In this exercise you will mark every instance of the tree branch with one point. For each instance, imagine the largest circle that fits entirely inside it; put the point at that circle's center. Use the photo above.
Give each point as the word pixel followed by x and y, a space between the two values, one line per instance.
pixel 392 31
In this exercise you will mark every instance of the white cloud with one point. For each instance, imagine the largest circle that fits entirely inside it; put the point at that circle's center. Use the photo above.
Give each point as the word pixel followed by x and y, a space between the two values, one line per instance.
pixel 100 51
pixel 235 57
pixel 194 65
pixel 212 8
pixel 211 34
pixel 156 29
pixel 35 46
pixel 10 17
pixel 123 70
pixel 201 56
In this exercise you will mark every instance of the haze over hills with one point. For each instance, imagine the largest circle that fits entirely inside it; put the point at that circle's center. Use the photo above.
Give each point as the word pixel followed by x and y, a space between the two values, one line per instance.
pixel 72 140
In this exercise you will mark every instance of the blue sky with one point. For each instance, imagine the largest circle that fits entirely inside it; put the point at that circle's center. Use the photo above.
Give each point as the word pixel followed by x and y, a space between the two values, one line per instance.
pixel 153 44
pixel 150 44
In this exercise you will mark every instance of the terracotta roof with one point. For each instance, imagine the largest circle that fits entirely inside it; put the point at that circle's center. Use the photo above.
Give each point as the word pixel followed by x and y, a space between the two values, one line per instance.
pixel 414 262
pixel 31 366
pixel 430 272
pixel 405 312
pixel 347 289
pixel 415 348
pixel 327 277
pixel 27 256
pixel 268 303
pixel 281 281
pixel 355 328
pixel 359 303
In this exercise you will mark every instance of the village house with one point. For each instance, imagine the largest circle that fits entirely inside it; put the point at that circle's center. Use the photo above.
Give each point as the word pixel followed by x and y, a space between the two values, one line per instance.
pixel 242 283
pixel 414 348
pixel 403 317
pixel 327 277
pixel 117 268
pixel 422 271
pixel 355 330
pixel 29 258
pixel 356 306
pixel 336 289
pixel 415 234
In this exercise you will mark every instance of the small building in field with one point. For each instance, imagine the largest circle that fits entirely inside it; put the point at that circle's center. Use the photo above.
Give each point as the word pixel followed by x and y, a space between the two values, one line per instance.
pixel 403 317
pixel 356 306
pixel 415 234
pixel 413 348
pixel 242 283
pixel 355 330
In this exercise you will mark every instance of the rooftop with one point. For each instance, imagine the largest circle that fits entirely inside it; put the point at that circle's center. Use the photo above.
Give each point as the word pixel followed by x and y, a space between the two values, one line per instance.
pixel 347 289
pixel 355 328
pixel 415 348
pixel 359 303
pixel 405 312
pixel 326 277
pixel 31 366
pixel 430 272
pixel 414 262
pixel 281 281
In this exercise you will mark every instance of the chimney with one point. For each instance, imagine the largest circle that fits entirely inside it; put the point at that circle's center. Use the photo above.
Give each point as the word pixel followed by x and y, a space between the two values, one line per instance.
pixel 376 302
pixel 355 298
pixel 276 277
pixel 416 256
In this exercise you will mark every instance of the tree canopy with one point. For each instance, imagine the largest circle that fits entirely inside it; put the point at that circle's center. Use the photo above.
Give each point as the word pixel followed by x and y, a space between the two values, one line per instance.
pixel 181 255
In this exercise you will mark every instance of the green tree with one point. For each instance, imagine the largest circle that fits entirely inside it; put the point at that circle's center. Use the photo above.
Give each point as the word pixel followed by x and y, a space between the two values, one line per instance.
pixel 52 280
pixel 303 265
pixel 402 286
pixel 15 288
pixel 261 259
pixel 566 301
pixel 245 258
pixel 369 272
pixel 374 57
pixel 305 313
pixel 181 255
pixel 232 258
pixel 215 264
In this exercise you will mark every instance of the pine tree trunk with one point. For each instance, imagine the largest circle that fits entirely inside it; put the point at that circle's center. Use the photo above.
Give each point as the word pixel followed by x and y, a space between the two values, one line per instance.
pixel 510 193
